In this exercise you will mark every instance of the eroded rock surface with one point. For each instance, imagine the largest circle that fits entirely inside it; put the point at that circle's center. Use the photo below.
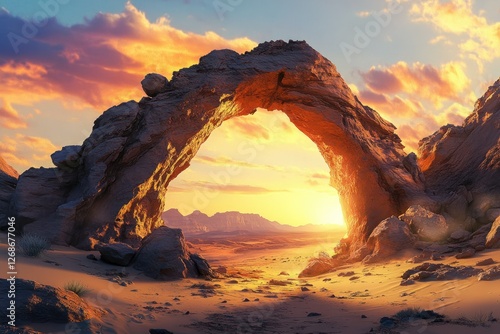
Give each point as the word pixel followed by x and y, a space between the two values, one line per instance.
pixel 112 188
pixel 36 302
pixel 164 256
pixel 438 272
pixel 426 224
pixel 118 253
pixel 467 156
pixel 388 238
pixel 493 237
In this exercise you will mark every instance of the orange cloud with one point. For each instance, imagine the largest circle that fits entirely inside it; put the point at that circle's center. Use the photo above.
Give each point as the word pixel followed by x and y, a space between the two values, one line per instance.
pixel 449 82
pixel 102 61
pixel 391 107
pixel 9 117
pixel 479 39
pixel 24 151
pixel 414 132
pixel 225 161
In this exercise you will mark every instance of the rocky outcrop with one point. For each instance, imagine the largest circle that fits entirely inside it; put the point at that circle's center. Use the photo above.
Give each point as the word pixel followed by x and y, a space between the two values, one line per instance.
pixel 388 238
pixel 43 303
pixel 427 225
pixel 493 237
pixel 164 256
pixel 490 274
pixel 118 253
pixel 8 182
pixel 467 156
pixel 437 271
pixel 112 188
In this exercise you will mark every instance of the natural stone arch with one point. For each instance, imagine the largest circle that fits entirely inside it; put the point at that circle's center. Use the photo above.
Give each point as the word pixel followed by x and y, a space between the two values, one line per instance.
pixel 113 187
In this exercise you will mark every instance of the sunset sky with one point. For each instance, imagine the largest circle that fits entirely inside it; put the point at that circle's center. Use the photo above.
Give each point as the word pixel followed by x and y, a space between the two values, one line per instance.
pixel 422 65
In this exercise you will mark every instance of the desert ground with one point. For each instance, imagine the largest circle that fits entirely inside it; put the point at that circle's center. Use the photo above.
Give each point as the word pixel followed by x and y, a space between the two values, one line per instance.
pixel 259 291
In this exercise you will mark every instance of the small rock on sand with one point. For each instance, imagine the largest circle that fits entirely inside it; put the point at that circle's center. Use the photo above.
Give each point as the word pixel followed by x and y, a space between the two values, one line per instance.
pixel 314 314
pixel 159 331
pixel 485 262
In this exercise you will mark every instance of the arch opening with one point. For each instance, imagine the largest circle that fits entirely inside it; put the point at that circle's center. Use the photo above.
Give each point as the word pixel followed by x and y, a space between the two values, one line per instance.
pixel 258 164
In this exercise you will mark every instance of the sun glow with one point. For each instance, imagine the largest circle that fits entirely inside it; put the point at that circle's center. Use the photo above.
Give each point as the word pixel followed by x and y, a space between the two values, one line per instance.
pixel 259 164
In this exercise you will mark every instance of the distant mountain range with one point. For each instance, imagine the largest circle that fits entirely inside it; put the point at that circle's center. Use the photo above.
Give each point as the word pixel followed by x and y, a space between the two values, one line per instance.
pixel 229 222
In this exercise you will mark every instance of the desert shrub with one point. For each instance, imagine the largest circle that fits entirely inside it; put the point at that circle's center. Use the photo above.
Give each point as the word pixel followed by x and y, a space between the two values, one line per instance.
pixel 413 313
pixel 77 287
pixel 33 245
pixel 478 319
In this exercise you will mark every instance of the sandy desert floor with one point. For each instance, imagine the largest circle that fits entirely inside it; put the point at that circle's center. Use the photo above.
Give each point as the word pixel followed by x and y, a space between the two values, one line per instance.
pixel 261 293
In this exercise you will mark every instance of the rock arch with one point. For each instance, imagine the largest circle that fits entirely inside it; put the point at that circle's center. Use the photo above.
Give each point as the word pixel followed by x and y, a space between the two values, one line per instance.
pixel 112 187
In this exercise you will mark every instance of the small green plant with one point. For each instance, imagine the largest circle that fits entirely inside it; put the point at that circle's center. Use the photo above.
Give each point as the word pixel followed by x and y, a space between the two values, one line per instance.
pixel 77 287
pixel 33 245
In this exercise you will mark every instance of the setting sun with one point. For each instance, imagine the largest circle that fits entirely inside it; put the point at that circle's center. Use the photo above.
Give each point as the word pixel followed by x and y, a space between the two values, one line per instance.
pixel 284 178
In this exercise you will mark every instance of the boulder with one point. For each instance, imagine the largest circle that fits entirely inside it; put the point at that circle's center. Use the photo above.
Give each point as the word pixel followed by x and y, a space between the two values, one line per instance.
pixel 490 274
pixel 202 266
pixel 466 253
pixel 460 235
pixel 163 255
pixel 67 157
pixel 388 238
pixel 154 84
pixel 485 262
pixel 117 253
pixel 492 214
pixel 36 302
pixel 493 237
pixel 426 224
pixel 478 237
pixel 317 266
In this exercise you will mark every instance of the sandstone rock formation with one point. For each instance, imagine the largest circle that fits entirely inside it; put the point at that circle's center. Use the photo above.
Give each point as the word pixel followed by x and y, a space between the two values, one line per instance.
pixel 467 157
pixel 163 255
pixel 118 253
pixel 426 224
pixel 493 237
pixel 112 187
pixel 388 238
pixel 438 272
pixel 8 182
pixel 42 303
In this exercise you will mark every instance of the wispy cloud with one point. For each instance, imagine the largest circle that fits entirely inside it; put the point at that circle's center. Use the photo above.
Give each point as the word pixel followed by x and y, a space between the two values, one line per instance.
pixel 478 39
pixel 9 117
pixel 190 186
pixel 26 151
